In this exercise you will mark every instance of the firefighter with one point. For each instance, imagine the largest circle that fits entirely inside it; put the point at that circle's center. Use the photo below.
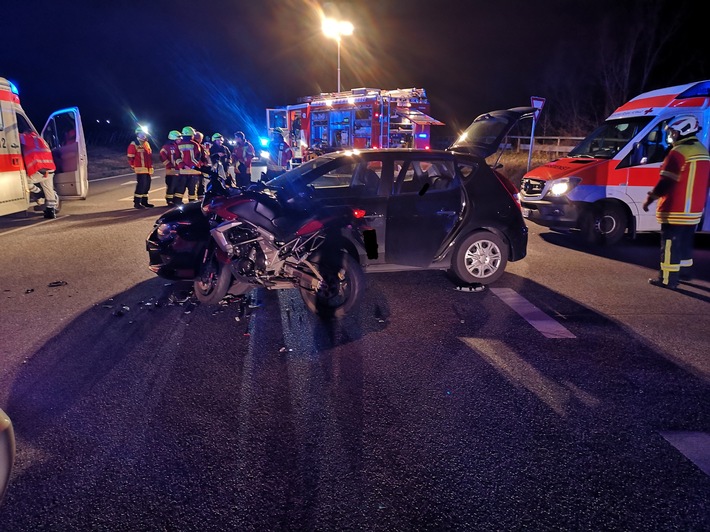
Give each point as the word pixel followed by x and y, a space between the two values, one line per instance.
pixel 141 160
pixel 191 155
pixel 242 156
pixel 170 156
pixel 40 168
pixel 681 192
pixel 279 155
pixel 195 185
pixel 221 157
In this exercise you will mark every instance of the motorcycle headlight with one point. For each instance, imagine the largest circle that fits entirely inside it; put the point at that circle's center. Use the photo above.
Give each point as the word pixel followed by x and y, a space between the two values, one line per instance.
pixel 166 231
pixel 562 186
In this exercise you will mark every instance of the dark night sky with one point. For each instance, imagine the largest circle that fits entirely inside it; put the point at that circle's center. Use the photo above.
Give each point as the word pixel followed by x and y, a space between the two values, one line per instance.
pixel 217 64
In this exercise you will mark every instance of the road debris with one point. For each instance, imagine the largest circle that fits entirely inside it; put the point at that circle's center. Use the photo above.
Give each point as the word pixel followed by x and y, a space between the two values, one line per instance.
pixel 475 287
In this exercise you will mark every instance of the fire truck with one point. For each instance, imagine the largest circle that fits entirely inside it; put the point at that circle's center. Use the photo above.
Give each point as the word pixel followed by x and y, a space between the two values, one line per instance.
pixel 354 119
pixel 63 132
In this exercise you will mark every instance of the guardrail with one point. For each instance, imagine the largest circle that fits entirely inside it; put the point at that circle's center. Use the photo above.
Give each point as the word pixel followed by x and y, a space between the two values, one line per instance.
pixel 552 145
pixel 545 144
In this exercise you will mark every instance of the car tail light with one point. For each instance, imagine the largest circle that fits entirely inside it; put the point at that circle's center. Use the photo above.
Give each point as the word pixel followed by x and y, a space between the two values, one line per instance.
pixel 359 213
pixel 510 187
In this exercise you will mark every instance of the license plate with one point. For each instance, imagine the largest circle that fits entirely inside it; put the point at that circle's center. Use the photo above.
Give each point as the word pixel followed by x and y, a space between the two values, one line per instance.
pixel 526 213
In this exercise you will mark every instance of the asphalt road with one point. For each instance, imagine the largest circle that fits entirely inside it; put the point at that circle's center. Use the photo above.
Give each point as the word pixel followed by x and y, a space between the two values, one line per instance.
pixel 571 395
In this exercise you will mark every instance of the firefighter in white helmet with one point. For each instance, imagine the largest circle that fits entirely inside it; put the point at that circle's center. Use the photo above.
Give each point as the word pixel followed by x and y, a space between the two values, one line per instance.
pixel 140 157
pixel 681 192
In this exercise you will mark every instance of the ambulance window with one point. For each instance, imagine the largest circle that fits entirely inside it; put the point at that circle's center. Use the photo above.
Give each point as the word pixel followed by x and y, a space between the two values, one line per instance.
pixel 23 125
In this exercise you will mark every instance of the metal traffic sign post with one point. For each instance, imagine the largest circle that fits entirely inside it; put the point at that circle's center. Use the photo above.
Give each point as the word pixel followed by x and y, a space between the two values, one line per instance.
pixel 538 103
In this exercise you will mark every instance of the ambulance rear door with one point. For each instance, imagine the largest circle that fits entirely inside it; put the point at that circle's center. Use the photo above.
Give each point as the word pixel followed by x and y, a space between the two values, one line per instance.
pixel 13 183
pixel 65 136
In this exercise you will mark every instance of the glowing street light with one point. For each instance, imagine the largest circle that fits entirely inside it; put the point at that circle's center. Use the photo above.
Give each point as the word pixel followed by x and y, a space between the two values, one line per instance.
pixel 335 29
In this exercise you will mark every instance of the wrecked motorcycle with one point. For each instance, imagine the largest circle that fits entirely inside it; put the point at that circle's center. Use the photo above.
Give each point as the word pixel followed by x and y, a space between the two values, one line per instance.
pixel 239 238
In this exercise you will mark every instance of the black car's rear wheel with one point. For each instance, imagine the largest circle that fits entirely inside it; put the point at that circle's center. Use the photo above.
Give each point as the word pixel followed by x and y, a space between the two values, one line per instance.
pixel 481 257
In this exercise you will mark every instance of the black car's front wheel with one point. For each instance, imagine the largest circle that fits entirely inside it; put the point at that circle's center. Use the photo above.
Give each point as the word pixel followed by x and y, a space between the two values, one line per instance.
pixel 342 287
pixel 481 257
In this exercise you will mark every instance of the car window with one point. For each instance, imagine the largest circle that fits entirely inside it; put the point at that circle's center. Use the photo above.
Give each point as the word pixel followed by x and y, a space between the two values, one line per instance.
pixel 411 176
pixel 466 170
pixel 359 178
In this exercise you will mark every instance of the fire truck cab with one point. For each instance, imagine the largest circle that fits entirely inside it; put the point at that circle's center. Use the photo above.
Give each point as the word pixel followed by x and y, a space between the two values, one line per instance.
pixel 600 187
pixel 355 119
pixel 63 132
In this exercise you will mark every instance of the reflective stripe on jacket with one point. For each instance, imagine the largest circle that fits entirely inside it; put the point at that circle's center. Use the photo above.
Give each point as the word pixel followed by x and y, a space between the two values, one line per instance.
pixel 140 157
pixel 688 165
pixel 36 154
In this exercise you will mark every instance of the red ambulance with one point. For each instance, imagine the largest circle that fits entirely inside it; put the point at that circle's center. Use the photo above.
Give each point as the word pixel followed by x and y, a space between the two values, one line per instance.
pixel 63 132
pixel 599 187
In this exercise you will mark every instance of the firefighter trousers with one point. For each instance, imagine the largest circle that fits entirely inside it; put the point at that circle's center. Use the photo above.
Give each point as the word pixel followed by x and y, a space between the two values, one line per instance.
pixel 676 252
pixel 142 188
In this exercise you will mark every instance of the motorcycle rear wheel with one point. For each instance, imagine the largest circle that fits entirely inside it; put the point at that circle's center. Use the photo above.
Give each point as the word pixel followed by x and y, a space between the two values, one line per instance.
pixel 343 287
pixel 213 282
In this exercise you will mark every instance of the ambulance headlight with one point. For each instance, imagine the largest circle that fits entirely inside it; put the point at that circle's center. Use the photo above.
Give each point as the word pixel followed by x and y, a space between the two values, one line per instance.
pixel 562 186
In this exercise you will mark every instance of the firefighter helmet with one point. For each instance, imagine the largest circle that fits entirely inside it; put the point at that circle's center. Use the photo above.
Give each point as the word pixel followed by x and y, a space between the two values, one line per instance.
pixel 174 135
pixel 239 135
pixel 684 125
pixel 188 131
pixel 199 136
pixel 217 136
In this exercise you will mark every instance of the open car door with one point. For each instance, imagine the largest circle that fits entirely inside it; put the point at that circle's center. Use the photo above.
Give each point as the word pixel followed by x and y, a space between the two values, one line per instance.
pixel 65 136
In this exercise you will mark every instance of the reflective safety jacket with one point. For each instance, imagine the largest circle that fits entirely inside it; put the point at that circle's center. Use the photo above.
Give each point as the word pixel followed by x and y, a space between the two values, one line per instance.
pixel 243 154
pixel 279 155
pixel 140 157
pixel 36 154
pixel 191 155
pixel 687 165
pixel 171 157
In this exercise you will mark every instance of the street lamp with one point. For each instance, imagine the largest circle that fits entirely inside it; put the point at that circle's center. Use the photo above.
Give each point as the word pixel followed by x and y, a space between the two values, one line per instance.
pixel 335 29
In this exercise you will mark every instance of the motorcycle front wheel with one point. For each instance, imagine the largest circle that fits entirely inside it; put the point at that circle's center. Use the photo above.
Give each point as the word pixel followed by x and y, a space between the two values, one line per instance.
pixel 342 289
pixel 213 281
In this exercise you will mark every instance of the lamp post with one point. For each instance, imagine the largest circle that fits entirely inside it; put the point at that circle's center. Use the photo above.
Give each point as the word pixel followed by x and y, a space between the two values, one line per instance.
pixel 336 29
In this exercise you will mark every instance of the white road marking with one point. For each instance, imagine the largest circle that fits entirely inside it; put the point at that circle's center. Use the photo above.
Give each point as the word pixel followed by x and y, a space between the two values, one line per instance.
pixel 695 446
pixel 35 224
pixel 557 396
pixel 534 316
pixel 130 198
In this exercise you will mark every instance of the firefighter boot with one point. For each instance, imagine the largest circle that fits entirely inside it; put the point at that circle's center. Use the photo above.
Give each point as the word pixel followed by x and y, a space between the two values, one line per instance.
pixel 145 203
pixel 50 213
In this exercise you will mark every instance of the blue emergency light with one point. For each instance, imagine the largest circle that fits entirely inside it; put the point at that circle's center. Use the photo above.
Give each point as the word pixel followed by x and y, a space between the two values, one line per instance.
pixel 264 141
pixel 422 135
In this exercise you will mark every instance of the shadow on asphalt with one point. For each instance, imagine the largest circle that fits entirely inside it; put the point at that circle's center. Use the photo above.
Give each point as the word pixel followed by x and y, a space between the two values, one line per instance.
pixel 644 250
pixel 147 403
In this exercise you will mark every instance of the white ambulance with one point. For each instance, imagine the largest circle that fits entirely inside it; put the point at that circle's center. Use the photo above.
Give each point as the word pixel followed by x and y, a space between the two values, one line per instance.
pixel 600 186
pixel 65 136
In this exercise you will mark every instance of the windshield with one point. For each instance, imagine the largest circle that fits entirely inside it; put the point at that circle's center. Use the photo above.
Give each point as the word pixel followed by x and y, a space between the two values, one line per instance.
pixel 606 141
pixel 299 181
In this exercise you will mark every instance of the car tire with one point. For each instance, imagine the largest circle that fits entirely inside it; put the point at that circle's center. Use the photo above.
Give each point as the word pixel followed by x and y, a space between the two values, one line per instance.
pixel 481 257
pixel 604 224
